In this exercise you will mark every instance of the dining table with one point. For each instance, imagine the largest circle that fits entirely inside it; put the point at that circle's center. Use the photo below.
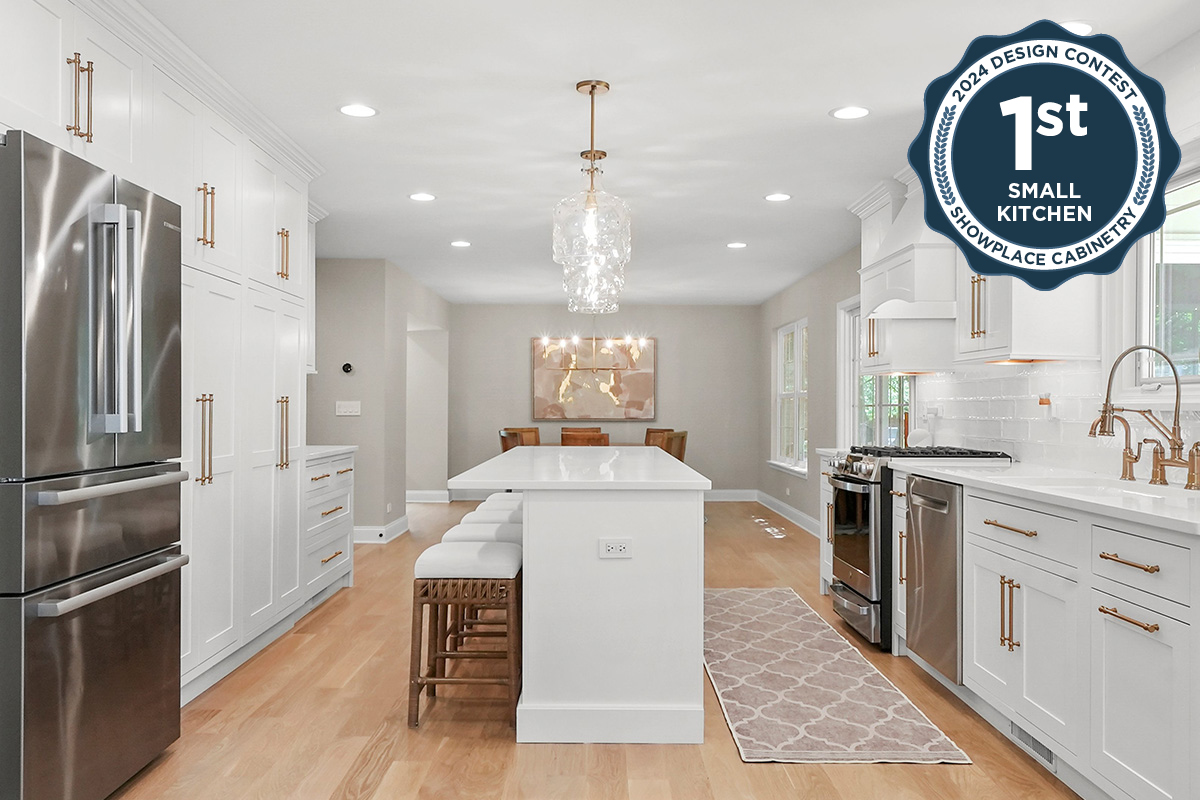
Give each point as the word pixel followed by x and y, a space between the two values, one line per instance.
pixel 612 591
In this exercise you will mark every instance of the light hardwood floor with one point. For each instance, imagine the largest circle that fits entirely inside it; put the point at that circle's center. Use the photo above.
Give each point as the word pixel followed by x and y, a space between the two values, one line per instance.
pixel 321 713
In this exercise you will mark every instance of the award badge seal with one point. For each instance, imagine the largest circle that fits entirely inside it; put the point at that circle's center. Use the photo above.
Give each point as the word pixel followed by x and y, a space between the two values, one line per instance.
pixel 1044 155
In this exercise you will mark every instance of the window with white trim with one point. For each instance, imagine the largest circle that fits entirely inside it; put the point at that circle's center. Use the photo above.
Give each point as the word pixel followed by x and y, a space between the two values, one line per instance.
pixel 790 447
pixel 1169 289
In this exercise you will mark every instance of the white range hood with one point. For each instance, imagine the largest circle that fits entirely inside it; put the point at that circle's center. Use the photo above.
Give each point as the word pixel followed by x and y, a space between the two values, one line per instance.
pixel 911 273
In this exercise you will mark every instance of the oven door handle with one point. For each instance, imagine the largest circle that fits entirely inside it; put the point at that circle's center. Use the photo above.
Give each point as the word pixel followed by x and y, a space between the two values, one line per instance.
pixel 64 496
pixel 847 486
pixel 58 608
pixel 852 608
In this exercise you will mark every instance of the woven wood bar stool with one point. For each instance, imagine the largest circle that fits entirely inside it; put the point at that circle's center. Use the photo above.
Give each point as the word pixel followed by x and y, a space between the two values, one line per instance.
pixel 448 577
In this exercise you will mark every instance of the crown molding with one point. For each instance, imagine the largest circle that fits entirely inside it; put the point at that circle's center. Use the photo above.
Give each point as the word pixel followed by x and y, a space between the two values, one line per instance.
pixel 139 28
pixel 886 191
pixel 316 213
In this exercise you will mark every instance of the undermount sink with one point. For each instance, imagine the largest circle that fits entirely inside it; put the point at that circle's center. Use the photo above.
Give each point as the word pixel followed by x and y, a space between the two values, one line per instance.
pixel 1102 487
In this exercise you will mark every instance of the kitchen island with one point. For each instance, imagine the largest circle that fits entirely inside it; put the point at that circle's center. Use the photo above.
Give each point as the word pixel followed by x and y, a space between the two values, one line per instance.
pixel 613 592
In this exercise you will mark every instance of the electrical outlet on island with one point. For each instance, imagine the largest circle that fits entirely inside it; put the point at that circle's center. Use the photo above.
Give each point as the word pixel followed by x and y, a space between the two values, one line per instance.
pixel 616 548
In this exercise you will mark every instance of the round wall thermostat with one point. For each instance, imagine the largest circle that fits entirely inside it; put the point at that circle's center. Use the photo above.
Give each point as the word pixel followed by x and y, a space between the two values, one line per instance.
pixel 347 368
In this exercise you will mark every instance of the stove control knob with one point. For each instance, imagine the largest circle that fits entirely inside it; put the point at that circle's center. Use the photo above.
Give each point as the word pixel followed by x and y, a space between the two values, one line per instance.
pixel 838 464
pixel 862 469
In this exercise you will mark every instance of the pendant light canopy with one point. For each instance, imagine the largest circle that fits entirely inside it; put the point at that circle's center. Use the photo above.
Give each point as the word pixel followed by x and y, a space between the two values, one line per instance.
pixel 591 233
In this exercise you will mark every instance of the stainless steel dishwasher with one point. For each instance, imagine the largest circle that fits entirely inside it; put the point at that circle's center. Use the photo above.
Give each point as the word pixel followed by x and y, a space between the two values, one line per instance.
pixel 933 554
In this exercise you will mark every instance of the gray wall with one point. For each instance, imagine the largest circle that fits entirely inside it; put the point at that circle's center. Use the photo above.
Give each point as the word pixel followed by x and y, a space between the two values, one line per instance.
pixel 814 297
pixel 364 310
pixel 428 410
pixel 709 382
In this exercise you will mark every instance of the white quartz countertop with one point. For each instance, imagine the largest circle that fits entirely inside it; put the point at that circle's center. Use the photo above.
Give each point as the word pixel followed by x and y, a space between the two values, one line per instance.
pixel 1170 507
pixel 647 468
pixel 828 452
pixel 325 450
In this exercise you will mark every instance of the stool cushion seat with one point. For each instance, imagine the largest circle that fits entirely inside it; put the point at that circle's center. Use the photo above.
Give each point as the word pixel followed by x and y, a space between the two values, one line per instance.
pixel 484 532
pixel 494 502
pixel 469 560
pixel 514 515
pixel 513 496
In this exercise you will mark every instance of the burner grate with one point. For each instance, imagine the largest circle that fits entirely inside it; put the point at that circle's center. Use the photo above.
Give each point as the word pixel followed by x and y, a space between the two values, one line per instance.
pixel 926 452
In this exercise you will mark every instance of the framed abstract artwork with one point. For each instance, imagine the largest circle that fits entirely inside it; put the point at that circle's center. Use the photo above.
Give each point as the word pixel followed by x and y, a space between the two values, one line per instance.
pixel 593 379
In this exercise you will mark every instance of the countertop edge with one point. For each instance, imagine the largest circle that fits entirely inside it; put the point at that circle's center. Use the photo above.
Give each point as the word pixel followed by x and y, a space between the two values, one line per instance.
pixel 315 451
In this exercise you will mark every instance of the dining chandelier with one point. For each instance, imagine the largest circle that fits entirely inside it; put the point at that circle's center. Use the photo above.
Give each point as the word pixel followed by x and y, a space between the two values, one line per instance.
pixel 591 233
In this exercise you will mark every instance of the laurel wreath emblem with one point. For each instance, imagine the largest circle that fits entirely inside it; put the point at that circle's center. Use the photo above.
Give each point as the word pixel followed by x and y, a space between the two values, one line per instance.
pixel 1146 180
pixel 941 141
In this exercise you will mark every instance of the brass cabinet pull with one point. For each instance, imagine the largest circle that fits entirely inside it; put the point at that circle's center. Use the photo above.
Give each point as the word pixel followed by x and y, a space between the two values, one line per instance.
pixel 287 255
pixel 1011 613
pixel 330 511
pixel 981 327
pixel 974 306
pixel 90 72
pixel 829 522
pixel 203 401
pixel 344 471
pixel 894 493
pixel 331 558
pixel 211 398
pixel 1151 568
pixel 1002 526
pixel 282 271
pixel 203 237
pixel 1112 612
pixel 212 213
pixel 319 477
pixel 871 351
pixel 827 474
pixel 1003 638
pixel 279 451
pixel 74 128
pixel 285 434
pixel 902 538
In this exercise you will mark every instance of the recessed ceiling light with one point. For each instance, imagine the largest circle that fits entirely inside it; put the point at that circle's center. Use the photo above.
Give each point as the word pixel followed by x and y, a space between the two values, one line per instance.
pixel 460 243
pixel 1077 27
pixel 358 110
pixel 849 112
pixel 736 245
pixel 422 197
pixel 778 197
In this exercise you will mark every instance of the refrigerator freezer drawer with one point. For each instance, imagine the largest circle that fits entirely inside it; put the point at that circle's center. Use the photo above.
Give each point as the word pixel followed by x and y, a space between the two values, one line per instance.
pixel 63 527
pixel 95 696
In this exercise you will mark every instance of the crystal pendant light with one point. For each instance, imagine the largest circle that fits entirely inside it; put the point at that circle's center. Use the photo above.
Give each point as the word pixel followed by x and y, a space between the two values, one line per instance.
pixel 591 233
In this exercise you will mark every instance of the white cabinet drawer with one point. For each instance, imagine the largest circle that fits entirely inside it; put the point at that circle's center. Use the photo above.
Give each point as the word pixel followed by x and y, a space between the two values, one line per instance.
pixel 1156 567
pixel 323 509
pixel 323 474
pixel 1046 535
pixel 328 558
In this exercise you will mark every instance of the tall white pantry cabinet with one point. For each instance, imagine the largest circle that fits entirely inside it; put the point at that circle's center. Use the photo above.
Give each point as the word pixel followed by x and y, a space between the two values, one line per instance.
pixel 151 111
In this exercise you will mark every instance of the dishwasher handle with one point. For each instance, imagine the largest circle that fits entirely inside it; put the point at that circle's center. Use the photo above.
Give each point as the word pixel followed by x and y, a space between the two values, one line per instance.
pixel 58 608
pixel 932 503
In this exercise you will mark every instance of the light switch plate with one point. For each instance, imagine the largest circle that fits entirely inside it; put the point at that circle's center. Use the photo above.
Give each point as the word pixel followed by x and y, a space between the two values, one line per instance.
pixel 347 408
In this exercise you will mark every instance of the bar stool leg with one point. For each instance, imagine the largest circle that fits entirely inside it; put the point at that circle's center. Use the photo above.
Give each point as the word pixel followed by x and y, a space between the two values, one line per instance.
pixel 512 622
pixel 414 669
pixel 443 620
pixel 431 656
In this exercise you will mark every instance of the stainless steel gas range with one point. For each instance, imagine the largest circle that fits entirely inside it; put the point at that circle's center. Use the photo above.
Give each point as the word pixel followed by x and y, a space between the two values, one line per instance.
pixel 861 520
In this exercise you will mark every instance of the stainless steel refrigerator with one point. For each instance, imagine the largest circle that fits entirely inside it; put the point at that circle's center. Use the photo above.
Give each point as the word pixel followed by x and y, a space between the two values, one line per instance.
pixel 89 499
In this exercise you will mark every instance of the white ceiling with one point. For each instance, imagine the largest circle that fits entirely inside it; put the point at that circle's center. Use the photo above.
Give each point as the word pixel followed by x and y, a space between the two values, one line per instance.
pixel 713 105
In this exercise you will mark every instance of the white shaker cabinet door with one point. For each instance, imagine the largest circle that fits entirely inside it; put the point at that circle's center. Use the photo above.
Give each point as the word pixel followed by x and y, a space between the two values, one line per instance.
pixel 291 215
pixel 113 101
pixel 176 121
pixel 1141 700
pixel 262 244
pixel 219 215
pixel 210 337
pixel 36 39
pixel 989 667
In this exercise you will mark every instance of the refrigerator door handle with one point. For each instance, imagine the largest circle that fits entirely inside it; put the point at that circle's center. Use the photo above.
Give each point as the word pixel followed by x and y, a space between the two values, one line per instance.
pixel 131 322
pixel 115 300
pixel 66 496
pixel 58 608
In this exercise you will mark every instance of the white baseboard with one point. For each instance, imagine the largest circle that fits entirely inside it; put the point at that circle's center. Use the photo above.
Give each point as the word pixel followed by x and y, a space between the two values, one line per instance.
pixel 809 524
pixel 730 495
pixel 427 496
pixel 375 534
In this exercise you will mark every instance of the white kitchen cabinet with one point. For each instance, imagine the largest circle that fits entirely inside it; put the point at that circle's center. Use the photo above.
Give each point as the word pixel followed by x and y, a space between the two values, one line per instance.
pixel 328 520
pixel 1003 319
pixel 310 280
pixel 36 39
pixel 906 345
pixel 898 492
pixel 210 339
pixel 275 224
pixel 1142 735
pixel 272 405
pixel 826 530
pixel 1023 645
pixel 112 99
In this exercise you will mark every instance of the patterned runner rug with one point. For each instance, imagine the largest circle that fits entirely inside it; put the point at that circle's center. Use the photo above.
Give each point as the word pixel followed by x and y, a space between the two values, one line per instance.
pixel 792 689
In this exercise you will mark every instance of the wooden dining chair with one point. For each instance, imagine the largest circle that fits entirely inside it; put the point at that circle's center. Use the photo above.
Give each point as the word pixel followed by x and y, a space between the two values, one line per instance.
pixel 529 436
pixel 567 430
pixel 509 440
pixel 584 438
pixel 655 436
pixel 675 443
